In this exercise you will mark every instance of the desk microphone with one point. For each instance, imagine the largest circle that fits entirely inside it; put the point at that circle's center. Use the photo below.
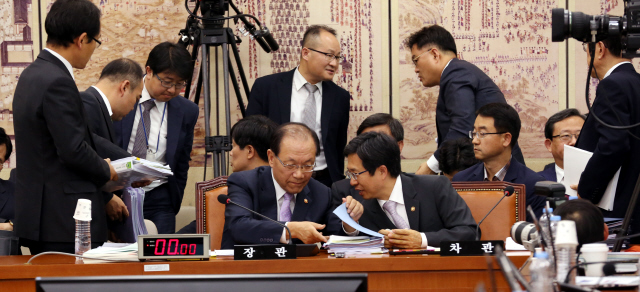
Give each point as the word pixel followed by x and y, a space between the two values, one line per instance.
pixel 508 191
pixel 224 199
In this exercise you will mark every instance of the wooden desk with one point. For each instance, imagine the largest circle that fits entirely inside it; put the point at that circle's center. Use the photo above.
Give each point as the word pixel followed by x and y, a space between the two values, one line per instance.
pixel 385 273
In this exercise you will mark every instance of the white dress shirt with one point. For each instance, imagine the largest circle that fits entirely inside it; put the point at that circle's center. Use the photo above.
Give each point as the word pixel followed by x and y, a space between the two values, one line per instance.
pixel 63 60
pixel 398 197
pixel 104 98
pixel 559 174
pixel 299 95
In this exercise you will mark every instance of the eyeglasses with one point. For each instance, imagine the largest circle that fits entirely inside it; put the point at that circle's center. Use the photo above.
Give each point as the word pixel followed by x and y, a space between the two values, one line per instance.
pixel 167 84
pixel 415 59
pixel 353 175
pixel 481 135
pixel 97 41
pixel 566 138
pixel 293 167
pixel 328 56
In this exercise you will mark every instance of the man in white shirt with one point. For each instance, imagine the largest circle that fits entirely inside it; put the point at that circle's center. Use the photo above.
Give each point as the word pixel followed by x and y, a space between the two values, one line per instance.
pixel 562 128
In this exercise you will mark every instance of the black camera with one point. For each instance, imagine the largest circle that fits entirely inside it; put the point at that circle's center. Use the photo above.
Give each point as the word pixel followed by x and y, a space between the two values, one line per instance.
pixel 594 28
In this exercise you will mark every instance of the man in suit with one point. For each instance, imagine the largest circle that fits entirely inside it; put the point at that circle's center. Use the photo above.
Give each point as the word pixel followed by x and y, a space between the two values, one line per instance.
pixel 161 128
pixel 113 97
pixel 284 192
pixel 616 104
pixel 464 88
pixel 412 211
pixel 58 163
pixel 495 132
pixel 307 95
pixel 7 187
pixel 562 128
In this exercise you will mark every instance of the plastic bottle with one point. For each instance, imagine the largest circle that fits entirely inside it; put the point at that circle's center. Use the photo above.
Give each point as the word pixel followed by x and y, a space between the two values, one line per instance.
pixel 83 236
pixel 544 224
pixel 566 243
pixel 540 269
pixel 554 227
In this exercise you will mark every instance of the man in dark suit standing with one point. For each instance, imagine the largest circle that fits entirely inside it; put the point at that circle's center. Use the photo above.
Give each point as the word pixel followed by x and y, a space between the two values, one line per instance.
pixel 562 128
pixel 495 132
pixel 112 98
pixel 412 211
pixel 283 191
pixel 616 104
pixel 161 128
pixel 55 151
pixel 307 95
pixel 464 88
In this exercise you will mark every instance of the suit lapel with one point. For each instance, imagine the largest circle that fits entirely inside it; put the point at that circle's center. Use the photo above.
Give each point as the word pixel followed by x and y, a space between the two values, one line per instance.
pixel 268 205
pixel 302 207
pixel 105 113
pixel 411 204
pixel 379 217
pixel 328 99
pixel 284 95
pixel 512 172
pixel 127 126
pixel 174 122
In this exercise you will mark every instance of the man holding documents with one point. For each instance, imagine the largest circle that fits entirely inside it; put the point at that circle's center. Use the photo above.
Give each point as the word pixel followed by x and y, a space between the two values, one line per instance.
pixel 412 211
pixel 562 128
pixel 616 104
pixel 284 192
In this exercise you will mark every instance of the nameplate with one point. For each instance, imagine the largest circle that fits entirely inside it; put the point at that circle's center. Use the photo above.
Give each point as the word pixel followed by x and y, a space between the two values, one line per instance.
pixel 264 252
pixel 469 248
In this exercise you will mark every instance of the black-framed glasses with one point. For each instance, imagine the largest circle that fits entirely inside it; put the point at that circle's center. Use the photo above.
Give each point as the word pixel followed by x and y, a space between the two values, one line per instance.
pixel 566 138
pixel 415 59
pixel 294 167
pixel 353 175
pixel 328 56
pixel 97 42
pixel 481 135
pixel 167 84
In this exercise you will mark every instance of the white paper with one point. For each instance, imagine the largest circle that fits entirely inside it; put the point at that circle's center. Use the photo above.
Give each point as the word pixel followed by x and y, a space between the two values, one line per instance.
pixel 222 252
pixel 510 244
pixel 342 213
pixel 575 161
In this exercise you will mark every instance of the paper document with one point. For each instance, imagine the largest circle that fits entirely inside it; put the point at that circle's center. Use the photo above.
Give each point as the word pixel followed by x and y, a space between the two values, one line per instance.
pixel 342 213
pixel 575 161
pixel 132 169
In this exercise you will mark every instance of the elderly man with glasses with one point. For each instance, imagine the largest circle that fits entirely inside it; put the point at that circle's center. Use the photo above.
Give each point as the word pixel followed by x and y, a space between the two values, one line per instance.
pixel 284 191
pixel 562 128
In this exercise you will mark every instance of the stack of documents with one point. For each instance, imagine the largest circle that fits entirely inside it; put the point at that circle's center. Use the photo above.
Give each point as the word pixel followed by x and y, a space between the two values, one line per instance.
pixel 112 252
pixel 130 228
pixel 575 161
pixel 133 169
pixel 355 244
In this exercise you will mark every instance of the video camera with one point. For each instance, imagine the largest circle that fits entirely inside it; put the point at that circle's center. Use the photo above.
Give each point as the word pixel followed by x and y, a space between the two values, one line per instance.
pixel 595 28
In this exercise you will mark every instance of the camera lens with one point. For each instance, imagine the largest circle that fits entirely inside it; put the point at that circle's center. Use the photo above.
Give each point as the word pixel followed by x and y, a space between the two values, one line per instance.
pixel 566 24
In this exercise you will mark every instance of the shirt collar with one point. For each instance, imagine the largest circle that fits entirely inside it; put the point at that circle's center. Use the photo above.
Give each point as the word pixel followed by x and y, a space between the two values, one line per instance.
pixel 500 174
pixel 299 81
pixel 105 99
pixel 396 194
pixel 613 68
pixel 146 96
pixel 559 173
pixel 64 61
pixel 445 67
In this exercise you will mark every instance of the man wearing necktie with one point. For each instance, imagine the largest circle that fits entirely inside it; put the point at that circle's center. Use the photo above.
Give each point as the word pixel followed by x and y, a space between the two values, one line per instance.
pixel 283 191
pixel 161 128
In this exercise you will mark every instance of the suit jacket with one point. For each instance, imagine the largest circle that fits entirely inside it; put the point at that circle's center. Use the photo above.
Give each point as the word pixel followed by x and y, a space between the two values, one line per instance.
pixel 549 172
pixel 617 104
pixel 7 200
pixel 271 97
pixel 56 154
pixel 517 173
pixel 464 88
pixel 432 205
pixel 254 189
pixel 182 115
pixel 102 128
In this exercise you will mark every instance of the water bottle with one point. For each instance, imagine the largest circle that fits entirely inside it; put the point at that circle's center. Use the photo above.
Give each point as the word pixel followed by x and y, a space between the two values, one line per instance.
pixel 544 224
pixel 540 269
pixel 566 243
pixel 83 236
pixel 554 227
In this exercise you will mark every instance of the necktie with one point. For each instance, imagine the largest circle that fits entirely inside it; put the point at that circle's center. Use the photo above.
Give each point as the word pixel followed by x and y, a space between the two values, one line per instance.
pixel 285 209
pixel 140 144
pixel 309 112
pixel 390 207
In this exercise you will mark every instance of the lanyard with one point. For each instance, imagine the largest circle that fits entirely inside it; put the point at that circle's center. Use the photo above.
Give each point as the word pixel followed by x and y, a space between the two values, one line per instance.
pixel 146 136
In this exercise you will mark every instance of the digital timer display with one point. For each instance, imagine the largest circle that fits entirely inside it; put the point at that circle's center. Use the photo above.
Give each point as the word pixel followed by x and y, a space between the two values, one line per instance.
pixel 173 246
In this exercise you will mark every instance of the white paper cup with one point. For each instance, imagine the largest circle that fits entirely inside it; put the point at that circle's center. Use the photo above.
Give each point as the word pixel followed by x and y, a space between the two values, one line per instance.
pixel 594 252
pixel 83 210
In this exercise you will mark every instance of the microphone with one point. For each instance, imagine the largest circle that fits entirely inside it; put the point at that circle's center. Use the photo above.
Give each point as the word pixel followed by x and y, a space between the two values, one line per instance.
pixel 266 34
pixel 609 269
pixel 508 191
pixel 225 200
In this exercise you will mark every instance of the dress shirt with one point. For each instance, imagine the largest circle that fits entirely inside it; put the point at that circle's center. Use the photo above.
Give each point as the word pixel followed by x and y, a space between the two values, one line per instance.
pixel 499 176
pixel 398 197
pixel 559 174
pixel 280 199
pixel 105 99
pixel 299 95
pixel 432 162
pixel 613 68
pixel 63 60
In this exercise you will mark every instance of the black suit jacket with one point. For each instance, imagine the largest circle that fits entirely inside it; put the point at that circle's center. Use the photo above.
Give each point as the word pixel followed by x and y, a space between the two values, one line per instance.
pixel 56 154
pixel 617 104
pixel 182 116
pixel 7 200
pixel 517 173
pixel 432 205
pixel 549 172
pixel 254 189
pixel 464 88
pixel 271 97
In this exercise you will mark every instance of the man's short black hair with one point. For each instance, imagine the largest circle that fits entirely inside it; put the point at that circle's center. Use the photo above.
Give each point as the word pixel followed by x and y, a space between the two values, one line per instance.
pixel 383 119
pixel 434 35
pixel 588 218
pixel 376 149
pixel 298 131
pixel 171 57
pixel 68 19
pixel 314 32
pixel 558 117
pixel 614 44
pixel 123 69
pixel 6 140
pixel 505 119
pixel 456 155
pixel 255 131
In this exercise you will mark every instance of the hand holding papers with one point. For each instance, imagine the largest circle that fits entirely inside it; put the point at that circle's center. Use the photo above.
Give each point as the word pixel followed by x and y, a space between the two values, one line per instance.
pixel 354 244
pixel 342 213
pixel 131 171
pixel 575 161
